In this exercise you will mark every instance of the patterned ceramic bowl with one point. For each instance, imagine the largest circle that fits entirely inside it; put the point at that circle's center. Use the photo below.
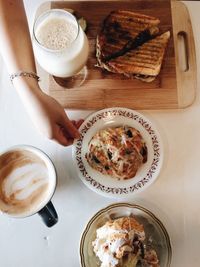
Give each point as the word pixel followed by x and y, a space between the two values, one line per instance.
pixel 104 184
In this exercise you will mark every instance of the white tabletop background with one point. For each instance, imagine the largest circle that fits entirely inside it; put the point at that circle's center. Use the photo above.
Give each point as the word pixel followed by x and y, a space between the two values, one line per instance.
pixel 174 197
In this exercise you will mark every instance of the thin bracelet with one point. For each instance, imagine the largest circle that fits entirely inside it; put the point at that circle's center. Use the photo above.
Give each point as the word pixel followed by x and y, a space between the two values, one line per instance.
pixel 24 74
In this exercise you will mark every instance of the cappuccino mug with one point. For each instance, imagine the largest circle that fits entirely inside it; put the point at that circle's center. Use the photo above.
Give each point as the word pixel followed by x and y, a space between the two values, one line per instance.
pixel 27 184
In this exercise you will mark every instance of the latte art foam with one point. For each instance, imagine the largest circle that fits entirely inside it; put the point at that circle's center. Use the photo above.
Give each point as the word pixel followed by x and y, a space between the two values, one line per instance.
pixel 24 181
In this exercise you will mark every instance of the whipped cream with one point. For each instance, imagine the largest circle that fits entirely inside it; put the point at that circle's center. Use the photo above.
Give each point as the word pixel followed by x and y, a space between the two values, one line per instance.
pixel 112 244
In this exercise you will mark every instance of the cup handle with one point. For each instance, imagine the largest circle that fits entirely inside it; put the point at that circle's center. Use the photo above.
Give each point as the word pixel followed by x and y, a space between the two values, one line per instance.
pixel 49 215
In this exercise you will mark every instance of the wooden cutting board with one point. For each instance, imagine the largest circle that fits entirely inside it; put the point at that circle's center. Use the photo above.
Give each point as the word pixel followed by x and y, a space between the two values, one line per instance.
pixel 175 87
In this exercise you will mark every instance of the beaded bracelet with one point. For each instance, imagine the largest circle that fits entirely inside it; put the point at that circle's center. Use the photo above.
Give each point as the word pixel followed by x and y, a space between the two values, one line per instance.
pixel 24 74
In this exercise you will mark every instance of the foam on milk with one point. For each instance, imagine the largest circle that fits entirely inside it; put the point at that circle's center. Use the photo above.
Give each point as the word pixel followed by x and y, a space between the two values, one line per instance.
pixel 24 182
pixel 56 33
pixel 60 45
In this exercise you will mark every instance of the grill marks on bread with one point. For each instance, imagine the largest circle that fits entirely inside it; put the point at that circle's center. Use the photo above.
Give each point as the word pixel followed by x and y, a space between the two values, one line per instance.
pixel 125 30
pixel 129 44
pixel 145 59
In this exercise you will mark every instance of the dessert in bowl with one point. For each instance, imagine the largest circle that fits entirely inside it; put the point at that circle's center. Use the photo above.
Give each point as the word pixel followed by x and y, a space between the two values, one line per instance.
pixel 121 243
pixel 125 235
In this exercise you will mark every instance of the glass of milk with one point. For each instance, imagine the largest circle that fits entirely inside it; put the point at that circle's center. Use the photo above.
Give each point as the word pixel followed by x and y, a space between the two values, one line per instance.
pixel 61 47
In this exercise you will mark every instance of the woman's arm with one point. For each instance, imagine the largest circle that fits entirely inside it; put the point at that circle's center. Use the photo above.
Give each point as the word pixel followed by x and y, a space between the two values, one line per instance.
pixel 16 49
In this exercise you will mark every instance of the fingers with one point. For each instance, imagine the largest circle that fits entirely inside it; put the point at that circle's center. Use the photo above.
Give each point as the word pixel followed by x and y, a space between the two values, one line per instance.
pixel 70 128
pixel 78 123
pixel 66 132
pixel 61 137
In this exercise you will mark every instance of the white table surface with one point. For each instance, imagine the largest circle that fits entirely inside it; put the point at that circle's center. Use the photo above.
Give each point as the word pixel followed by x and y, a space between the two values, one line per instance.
pixel 174 197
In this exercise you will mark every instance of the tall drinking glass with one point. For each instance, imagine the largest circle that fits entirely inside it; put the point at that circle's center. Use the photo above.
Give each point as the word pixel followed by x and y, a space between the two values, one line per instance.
pixel 61 47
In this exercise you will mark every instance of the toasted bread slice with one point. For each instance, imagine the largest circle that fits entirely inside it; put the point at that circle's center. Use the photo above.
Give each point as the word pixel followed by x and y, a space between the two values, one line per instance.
pixel 123 31
pixel 144 62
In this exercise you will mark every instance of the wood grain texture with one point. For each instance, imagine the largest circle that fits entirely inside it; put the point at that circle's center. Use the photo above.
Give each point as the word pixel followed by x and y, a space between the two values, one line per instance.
pixel 173 88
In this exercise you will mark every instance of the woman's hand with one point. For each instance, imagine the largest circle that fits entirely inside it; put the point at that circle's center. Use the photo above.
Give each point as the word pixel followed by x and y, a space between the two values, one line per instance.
pixel 51 120
pixel 16 48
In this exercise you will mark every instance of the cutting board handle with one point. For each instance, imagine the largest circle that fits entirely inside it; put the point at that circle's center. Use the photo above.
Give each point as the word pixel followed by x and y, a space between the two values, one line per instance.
pixel 183 52
pixel 186 70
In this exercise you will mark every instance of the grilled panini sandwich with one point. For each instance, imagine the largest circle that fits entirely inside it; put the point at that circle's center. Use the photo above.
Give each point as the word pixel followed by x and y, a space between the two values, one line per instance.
pixel 129 44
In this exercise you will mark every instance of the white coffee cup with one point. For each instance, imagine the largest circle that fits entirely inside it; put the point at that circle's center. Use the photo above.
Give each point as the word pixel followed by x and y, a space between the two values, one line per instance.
pixel 27 183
